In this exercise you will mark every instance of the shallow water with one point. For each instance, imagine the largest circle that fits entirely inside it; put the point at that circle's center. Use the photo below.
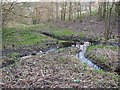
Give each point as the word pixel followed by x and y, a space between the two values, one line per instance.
pixel 79 55
pixel 82 57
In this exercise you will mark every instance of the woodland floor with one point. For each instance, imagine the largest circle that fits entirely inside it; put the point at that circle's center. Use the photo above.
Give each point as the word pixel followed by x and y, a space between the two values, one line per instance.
pixel 58 68
pixel 94 25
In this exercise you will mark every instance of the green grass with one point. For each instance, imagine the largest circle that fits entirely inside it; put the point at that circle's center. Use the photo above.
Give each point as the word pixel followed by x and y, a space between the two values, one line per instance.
pixel 114 48
pixel 99 71
pixel 29 27
pixel 59 31
pixel 25 35
pixel 66 32
pixel 100 58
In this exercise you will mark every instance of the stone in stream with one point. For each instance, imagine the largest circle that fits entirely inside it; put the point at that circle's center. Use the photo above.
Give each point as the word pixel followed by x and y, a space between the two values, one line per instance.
pixel 81 43
pixel 22 55
pixel 13 45
pixel 34 53
pixel 93 42
pixel 86 43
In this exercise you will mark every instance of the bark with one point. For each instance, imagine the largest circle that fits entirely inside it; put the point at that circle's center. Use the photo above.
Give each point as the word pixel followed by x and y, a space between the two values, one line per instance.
pixel 64 11
pixel 70 10
pixel 57 11
pixel 104 10
pixel 79 17
pixel 108 26
pixel 90 8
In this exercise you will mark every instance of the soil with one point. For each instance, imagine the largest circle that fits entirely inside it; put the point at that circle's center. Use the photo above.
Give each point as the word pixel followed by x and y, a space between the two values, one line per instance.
pixel 57 69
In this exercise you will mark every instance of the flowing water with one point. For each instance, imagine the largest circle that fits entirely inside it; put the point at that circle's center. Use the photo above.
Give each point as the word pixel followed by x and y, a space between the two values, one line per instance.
pixel 81 55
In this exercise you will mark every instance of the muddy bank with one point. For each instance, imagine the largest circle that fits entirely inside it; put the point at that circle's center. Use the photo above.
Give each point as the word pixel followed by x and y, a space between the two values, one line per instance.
pixel 8 58
pixel 76 38
pixel 27 50
pixel 109 64
pixel 106 58
pixel 10 54
pixel 59 69
pixel 69 38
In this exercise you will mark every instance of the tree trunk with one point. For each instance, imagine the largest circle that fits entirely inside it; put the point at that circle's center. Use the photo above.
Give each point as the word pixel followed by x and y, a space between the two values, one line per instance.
pixel 70 10
pixel 57 11
pixel 108 26
pixel 104 10
pixel 90 8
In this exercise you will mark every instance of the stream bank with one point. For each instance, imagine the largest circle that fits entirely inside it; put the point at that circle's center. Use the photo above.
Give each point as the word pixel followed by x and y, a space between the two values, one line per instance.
pixel 55 44
pixel 56 69
pixel 81 49
pixel 80 39
pixel 93 42
pixel 106 56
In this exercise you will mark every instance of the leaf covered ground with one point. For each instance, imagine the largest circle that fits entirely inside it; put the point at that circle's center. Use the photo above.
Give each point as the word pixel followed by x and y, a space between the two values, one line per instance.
pixel 106 56
pixel 60 69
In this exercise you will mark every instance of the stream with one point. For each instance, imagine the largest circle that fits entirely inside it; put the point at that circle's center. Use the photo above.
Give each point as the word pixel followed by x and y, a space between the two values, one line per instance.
pixel 80 55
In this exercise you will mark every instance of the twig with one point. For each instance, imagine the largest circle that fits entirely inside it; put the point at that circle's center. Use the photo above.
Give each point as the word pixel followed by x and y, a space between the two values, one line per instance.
pixel 42 73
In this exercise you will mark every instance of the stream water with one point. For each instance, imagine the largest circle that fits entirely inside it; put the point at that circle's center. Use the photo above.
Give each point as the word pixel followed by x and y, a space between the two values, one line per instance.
pixel 81 55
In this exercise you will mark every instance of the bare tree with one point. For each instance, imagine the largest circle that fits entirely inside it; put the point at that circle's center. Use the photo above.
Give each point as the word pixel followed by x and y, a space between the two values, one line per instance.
pixel 90 8
pixel 79 16
pixel 5 12
pixel 109 23
pixel 14 11
pixel 57 11
pixel 70 10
